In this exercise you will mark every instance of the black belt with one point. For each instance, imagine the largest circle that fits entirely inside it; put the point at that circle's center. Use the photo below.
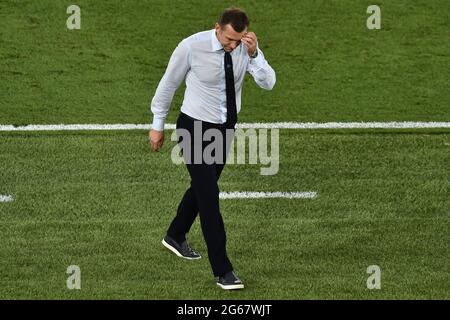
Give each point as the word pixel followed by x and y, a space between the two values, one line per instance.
pixel 219 125
pixel 189 117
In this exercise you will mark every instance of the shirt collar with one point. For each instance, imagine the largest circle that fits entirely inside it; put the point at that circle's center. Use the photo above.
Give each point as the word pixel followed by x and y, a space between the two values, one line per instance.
pixel 215 43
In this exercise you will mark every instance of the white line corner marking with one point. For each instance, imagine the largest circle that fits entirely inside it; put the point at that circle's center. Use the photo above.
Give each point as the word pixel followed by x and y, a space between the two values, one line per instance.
pixel 6 198
pixel 259 195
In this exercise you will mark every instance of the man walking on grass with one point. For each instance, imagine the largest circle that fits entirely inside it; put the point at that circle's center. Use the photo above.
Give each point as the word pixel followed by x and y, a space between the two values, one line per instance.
pixel 213 63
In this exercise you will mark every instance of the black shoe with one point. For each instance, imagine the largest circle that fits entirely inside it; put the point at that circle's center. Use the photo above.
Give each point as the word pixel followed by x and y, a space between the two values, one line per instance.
pixel 183 250
pixel 230 282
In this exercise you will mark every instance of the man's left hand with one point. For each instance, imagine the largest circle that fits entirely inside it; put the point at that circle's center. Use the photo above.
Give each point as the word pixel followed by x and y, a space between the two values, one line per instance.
pixel 250 40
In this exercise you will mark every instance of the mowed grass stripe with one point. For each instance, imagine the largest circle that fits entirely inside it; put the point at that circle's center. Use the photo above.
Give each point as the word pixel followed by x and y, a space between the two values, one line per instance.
pixel 103 201
pixel 329 66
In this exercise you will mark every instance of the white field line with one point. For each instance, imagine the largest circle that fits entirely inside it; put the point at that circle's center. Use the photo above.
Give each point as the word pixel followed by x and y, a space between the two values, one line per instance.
pixel 6 198
pixel 266 125
pixel 237 195
pixel 259 195
pixel 79 127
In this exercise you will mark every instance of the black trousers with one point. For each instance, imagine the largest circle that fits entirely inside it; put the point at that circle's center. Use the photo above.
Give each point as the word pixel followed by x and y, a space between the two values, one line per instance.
pixel 203 197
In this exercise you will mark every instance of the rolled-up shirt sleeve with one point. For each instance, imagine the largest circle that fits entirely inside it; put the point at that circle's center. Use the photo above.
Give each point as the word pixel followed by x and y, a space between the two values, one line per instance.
pixel 177 68
pixel 261 71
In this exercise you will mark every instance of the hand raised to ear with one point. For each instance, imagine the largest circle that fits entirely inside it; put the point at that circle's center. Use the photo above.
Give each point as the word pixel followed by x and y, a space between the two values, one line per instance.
pixel 251 41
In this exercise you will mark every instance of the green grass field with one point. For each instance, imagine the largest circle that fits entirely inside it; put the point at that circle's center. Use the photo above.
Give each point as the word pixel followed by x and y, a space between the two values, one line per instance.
pixel 102 200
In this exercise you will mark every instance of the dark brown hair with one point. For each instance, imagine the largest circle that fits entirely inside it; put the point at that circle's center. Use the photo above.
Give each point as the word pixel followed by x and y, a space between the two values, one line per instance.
pixel 236 17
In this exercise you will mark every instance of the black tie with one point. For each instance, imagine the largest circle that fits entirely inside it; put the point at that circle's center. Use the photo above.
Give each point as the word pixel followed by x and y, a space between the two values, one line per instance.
pixel 231 94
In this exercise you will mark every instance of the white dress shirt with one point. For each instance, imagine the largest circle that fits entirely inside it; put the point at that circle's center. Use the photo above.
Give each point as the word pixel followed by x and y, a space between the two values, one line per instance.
pixel 199 59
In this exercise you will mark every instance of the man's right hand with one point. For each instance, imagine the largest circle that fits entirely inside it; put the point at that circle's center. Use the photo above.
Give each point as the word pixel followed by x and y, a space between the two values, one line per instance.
pixel 156 139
